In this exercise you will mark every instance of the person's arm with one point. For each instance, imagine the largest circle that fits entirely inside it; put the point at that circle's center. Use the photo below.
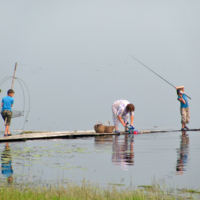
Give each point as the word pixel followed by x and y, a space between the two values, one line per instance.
pixel 12 102
pixel 2 104
pixel 120 119
pixel 180 98
pixel 132 118
pixel 180 88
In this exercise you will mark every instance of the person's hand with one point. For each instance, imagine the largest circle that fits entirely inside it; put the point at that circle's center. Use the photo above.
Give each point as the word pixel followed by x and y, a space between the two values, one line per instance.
pixel 124 124
pixel 132 127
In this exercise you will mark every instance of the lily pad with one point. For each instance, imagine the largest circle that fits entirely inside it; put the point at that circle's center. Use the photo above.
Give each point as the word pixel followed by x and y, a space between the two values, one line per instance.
pixel 37 155
pixel 116 184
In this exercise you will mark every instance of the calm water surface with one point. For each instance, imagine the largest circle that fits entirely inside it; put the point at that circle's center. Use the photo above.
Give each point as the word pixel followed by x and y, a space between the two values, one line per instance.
pixel 168 158
pixel 75 73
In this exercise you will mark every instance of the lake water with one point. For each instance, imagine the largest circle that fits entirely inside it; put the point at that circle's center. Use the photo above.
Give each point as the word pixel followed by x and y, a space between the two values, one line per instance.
pixel 74 57
pixel 167 158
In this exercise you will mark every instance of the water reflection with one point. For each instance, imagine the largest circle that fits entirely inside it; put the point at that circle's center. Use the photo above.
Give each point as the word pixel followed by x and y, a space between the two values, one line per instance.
pixel 6 166
pixel 101 141
pixel 122 148
pixel 123 153
pixel 183 152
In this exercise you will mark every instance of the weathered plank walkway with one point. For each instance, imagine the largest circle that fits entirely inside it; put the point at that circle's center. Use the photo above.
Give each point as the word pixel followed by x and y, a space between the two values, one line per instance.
pixel 29 135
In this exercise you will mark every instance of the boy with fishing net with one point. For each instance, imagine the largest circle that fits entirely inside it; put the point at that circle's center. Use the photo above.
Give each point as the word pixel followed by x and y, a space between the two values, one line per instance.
pixel 6 111
pixel 184 107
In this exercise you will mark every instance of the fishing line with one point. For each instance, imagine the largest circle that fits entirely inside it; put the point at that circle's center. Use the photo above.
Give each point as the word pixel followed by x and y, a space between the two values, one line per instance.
pixel 24 102
pixel 157 74
pixel 4 80
pixel 23 95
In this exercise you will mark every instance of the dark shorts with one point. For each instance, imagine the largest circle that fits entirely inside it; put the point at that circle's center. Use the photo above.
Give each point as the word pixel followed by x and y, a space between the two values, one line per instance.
pixel 7 115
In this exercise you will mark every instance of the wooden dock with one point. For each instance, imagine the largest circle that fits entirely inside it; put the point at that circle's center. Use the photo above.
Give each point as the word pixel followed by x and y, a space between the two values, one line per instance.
pixel 29 135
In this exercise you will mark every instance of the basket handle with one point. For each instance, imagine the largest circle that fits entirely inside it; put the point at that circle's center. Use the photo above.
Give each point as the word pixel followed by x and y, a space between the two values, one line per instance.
pixel 98 122
pixel 106 122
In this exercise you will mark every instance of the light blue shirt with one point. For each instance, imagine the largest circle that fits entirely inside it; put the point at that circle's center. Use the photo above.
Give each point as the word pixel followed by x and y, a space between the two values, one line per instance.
pixel 186 104
pixel 7 169
pixel 7 103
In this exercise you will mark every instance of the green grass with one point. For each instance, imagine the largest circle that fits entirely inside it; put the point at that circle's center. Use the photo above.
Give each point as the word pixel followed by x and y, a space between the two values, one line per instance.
pixel 85 191
pixel 189 191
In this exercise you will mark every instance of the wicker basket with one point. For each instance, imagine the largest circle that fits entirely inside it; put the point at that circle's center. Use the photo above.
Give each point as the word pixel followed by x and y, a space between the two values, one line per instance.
pixel 109 129
pixel 99 128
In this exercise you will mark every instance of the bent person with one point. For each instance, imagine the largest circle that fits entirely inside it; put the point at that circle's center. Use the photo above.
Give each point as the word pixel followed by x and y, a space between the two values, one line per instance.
pixel 121 109
pixel 6 112
pixel 184 108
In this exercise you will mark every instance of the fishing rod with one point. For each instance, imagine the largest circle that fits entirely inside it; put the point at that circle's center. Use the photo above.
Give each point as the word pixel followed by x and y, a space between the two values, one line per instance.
pixel 157 74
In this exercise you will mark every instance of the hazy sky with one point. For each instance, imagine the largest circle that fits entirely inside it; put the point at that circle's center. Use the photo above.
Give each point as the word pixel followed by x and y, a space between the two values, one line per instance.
pixel 75 58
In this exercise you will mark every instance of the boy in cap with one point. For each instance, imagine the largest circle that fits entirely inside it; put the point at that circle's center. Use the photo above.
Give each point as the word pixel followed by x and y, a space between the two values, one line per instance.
pixel 6 112
pixel 185 111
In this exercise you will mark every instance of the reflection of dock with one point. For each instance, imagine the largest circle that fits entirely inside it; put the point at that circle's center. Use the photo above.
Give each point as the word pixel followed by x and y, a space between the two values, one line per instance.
pixel 33 135
pixel 101 141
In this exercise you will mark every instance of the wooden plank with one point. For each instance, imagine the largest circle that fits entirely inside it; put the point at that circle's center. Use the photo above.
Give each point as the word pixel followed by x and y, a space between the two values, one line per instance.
pixel 69 134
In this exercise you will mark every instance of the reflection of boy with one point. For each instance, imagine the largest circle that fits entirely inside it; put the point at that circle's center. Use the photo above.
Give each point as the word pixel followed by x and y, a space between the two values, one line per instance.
pixel 6 167
pixel 6 112
pixel 7 170
pixel 185 111
pixel 183 154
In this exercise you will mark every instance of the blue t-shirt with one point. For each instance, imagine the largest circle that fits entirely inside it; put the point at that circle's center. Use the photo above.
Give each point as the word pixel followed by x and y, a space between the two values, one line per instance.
pixel 186 104
pixel 7 102
pixel 7 169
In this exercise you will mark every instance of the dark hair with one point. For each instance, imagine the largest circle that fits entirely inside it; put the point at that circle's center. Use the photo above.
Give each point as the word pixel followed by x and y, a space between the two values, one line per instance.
pixel 130 107
pixel 10 91
pixel 178 91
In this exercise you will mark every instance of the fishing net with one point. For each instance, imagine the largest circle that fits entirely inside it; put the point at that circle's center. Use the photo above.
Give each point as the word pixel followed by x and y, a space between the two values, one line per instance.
pixel 17 113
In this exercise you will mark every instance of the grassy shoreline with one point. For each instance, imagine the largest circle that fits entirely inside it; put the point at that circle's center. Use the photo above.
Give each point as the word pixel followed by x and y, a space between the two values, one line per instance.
pixel 92 192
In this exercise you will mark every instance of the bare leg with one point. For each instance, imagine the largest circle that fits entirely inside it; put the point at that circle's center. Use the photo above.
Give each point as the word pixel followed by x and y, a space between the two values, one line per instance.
pixel 6 130
pixel 5 133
